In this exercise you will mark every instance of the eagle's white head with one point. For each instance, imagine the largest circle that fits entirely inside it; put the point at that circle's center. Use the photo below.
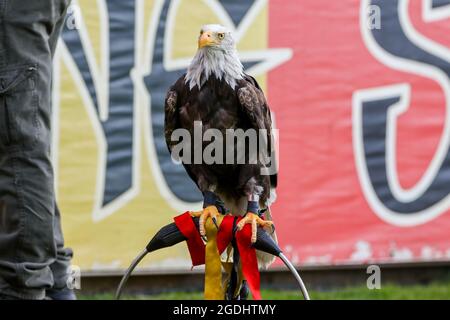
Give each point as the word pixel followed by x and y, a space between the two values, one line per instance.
pixel 216 55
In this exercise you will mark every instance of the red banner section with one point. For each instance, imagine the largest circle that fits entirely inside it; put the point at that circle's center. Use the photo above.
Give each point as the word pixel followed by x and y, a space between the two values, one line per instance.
pixel 363 110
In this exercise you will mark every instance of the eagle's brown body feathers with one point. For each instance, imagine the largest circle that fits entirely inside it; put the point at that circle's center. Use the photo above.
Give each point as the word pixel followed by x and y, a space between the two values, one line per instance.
pixel 219 106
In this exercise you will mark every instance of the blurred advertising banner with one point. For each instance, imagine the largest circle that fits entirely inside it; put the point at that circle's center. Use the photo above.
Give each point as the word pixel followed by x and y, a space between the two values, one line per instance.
pixel 360 92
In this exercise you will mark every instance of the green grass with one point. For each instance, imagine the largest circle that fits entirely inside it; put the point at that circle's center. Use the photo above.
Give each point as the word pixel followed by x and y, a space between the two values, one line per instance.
pixel 438 290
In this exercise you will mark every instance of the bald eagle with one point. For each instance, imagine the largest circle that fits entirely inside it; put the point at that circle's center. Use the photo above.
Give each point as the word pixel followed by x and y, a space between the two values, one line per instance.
pixel 216 91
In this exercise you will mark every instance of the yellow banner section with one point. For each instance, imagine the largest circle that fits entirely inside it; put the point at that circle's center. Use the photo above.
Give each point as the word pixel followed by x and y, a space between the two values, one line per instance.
pixel 109 239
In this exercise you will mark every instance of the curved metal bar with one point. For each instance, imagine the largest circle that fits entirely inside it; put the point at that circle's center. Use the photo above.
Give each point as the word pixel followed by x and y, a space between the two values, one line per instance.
pixel 167 236
pixel 170 235
pixel 129 271
pixel 296 275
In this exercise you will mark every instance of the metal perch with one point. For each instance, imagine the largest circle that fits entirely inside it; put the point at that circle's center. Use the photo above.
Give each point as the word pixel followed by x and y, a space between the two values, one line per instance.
pixel 171 235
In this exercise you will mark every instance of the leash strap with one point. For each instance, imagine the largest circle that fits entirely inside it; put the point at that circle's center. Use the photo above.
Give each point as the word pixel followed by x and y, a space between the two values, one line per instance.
pixel 209 255
pixel 194 242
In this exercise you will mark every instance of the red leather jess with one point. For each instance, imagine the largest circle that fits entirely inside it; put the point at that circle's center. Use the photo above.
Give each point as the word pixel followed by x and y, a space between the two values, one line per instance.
pixel 196 247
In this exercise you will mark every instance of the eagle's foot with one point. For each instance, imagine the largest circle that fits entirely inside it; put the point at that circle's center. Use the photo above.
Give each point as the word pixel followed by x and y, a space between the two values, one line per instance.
pixel 255 221
pixel 208 212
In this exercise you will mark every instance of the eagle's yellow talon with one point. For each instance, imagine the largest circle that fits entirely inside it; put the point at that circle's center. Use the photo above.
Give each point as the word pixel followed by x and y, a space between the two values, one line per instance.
pixel 268 226
pixel 208 212
pixel 196 214
pixel 255 221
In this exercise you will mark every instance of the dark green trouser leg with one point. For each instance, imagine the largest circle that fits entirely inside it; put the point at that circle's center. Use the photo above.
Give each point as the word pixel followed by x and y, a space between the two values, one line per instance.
pixel 32 257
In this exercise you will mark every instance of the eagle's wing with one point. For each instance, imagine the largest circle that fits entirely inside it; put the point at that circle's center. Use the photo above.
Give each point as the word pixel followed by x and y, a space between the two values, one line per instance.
pixel 254 104
pixel 172 121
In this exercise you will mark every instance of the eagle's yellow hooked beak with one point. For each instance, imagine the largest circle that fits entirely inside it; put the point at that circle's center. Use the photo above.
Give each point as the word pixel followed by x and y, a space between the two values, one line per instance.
pixel 206 39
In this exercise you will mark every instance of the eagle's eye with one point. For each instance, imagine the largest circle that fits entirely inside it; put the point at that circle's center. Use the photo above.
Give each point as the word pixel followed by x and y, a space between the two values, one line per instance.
pixel 221 35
